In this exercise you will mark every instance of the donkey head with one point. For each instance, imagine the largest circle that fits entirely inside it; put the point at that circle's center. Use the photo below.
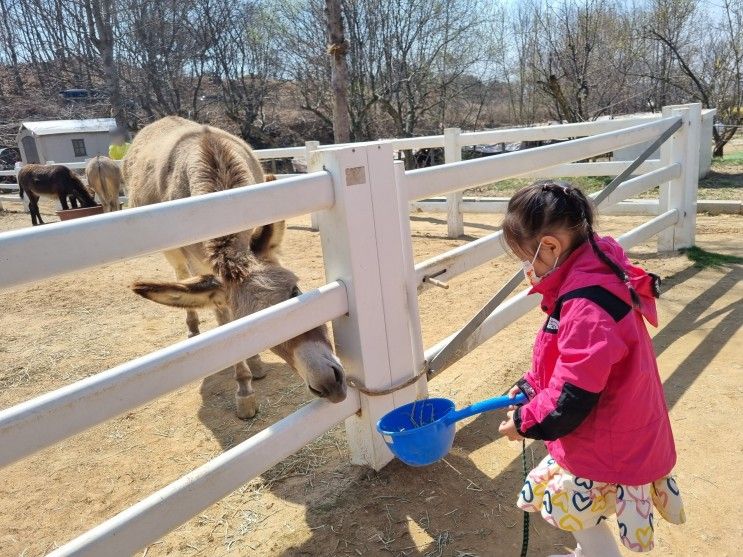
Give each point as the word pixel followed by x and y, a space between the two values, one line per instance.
pixel 246 279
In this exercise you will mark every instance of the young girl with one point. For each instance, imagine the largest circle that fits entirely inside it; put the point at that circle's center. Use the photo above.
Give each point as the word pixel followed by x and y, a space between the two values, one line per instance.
pixel 595 396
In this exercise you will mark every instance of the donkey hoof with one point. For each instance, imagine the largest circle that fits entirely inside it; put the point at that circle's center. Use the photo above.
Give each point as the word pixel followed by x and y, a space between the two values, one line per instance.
pixel 192 334
pixel 257 369
pixel 247 406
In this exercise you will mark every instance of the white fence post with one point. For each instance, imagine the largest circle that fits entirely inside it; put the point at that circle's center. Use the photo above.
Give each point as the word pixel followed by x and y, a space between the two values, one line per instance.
pixel 363 247
pixel 681 193
pixel 454 215
pixel 309 147
pixel 411 278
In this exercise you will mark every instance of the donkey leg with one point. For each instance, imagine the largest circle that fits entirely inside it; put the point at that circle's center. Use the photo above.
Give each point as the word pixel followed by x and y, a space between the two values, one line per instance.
pixel 73 201
pixel 63 201
pixel 256 367
pixel 246 403
pixel 254 363
pixel 33 207
pixel 180 265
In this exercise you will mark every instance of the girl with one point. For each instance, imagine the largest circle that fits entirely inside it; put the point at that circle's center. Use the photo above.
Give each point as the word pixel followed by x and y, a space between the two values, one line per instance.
pixel 595 396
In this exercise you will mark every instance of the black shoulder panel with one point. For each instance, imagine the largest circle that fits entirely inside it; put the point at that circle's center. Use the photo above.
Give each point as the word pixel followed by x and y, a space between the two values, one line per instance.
pixel 611 304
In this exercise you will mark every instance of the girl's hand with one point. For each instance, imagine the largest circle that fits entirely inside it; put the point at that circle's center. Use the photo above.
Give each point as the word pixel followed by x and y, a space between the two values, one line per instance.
pixel 512 394
pixel 508 428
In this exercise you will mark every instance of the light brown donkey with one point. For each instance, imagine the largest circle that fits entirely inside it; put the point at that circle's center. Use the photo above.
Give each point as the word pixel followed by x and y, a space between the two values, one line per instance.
pixel 235 275
pixel 104 178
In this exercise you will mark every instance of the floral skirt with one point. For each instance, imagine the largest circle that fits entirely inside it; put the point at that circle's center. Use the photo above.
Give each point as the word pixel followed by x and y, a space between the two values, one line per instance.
pixel 572 503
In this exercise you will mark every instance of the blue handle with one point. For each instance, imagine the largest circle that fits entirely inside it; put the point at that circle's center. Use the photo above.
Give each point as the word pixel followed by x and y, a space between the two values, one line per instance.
pixel 483 406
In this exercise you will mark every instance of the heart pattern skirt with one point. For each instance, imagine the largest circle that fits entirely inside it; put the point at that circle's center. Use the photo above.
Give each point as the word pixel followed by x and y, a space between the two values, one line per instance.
pixel 573 503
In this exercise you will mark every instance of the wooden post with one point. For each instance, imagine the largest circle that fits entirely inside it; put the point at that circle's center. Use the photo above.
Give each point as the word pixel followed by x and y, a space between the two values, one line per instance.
pixel 364 248
pixel 681 193
pixel 310 146
pixel 339 81
pixel 454 216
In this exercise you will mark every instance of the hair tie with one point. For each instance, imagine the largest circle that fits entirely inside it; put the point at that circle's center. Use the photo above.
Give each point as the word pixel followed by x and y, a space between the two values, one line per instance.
pixel 554 187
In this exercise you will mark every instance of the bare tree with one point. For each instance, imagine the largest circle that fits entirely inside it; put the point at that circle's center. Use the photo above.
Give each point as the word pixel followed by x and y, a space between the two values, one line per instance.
pixel 101 18
pixel 244 63
pixel 163 54
pixel 580 57
pixel 707 56
pixel 7 36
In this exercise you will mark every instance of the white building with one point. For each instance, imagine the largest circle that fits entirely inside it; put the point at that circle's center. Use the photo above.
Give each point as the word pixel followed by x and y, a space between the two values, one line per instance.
pixel 64 140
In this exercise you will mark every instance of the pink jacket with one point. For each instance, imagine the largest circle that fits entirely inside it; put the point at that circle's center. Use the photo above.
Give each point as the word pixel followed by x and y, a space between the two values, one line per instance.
pixel 595 394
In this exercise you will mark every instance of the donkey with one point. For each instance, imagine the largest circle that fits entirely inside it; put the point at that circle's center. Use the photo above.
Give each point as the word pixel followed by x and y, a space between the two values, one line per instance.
pixel 104 178
pixel 234 275
pixel 36 180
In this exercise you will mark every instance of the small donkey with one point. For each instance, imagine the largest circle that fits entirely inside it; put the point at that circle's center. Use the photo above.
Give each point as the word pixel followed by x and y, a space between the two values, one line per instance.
pixel 36 180
pixel 234 275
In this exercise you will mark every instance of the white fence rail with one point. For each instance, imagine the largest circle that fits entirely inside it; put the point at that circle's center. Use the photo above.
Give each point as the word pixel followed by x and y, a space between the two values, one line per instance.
pixel 453 140
pixel 50 418
pixel 176 503
pixel 361 200
pixel 124 234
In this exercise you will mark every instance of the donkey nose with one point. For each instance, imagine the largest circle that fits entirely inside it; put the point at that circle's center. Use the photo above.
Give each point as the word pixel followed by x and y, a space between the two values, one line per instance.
pixel 340 378
pixel 334 391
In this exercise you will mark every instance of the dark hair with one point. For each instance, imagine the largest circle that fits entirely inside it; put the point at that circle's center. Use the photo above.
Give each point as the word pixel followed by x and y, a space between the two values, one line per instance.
pixel 548 206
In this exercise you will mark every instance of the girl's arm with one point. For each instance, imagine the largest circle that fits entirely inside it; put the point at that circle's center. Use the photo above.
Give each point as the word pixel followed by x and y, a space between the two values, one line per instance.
pixel 589 346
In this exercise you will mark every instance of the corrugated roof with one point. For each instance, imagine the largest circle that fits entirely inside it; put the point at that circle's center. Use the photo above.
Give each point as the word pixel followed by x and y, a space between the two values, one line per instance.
pixel 55 127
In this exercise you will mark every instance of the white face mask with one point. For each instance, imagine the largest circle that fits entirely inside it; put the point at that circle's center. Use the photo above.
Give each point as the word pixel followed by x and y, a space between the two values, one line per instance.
pixel 530 273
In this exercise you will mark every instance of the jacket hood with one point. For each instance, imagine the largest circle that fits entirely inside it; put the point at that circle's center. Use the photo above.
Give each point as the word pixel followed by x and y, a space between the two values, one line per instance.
pixel 584 268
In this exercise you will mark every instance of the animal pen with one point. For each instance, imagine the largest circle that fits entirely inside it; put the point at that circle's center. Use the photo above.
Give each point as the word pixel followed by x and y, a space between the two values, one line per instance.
pixel 361 199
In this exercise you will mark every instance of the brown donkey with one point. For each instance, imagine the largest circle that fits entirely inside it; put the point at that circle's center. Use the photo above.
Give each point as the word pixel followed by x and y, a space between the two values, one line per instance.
pixel 235 275
pixel 58 181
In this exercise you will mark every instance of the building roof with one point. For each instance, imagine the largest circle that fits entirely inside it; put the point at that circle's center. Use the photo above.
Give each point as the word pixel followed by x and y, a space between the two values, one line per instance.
pixel 57 127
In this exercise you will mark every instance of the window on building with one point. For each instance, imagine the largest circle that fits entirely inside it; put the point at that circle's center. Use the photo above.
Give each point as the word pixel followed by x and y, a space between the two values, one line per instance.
pixel 79 146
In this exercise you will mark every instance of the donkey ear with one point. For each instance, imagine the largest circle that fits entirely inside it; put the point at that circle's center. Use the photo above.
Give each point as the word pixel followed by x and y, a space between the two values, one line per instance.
pixel 193 293
pixel 266 240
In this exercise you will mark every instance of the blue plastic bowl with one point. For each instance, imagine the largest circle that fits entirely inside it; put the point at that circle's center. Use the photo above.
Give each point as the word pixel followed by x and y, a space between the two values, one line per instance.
pixel 422 432
pixel 415 432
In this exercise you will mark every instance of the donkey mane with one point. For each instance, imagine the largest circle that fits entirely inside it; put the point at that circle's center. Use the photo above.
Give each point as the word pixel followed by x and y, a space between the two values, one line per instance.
pixel 219 168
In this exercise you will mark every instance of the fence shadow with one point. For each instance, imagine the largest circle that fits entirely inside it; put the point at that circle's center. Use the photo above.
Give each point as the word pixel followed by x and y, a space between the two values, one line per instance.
pixel 426 501
pixel 689 319
pixel 430 504
pixel 442 222
pixel 452 507
pixel 449 508
pixel 217 409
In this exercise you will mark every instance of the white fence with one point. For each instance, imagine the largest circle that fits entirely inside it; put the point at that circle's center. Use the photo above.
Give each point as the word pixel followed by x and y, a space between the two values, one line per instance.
pixel 361 198
pixel 454 140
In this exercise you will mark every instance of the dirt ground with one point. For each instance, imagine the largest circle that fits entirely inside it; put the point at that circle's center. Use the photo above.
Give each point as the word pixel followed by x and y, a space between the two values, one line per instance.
pixel 316 503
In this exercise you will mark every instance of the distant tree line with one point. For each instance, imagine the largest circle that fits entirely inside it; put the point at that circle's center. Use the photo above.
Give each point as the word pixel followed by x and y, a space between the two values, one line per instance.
pixel 263 68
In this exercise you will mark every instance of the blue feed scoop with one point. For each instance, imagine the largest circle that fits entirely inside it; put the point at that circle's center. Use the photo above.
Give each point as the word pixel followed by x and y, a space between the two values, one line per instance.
pixel 422 432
